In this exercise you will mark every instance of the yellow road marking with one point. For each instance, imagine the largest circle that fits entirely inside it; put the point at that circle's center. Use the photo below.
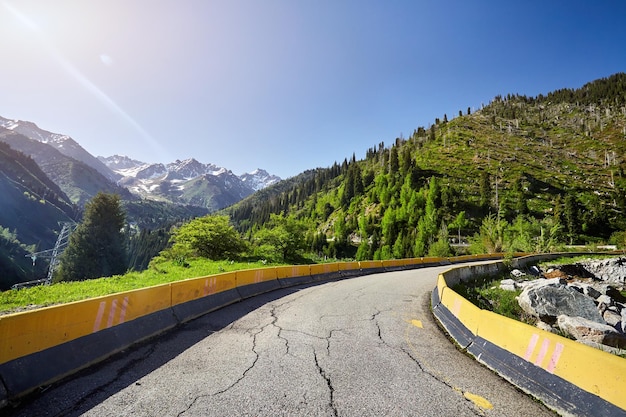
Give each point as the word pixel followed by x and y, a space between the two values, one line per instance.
pixel 417 323
pixel 478 400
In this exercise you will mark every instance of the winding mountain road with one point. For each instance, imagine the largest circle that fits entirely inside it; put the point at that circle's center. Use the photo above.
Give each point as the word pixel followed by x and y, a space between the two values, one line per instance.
pixel 365 346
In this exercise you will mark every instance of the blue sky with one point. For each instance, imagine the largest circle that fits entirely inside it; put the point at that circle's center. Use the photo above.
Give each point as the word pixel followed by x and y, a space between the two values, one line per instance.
pixel 285 85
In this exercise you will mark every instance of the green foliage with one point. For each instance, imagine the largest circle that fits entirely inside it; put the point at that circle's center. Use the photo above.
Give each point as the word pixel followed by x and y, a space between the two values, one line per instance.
pixel 282 239
pixel 484 292
pixel 97 247
pixel 546 169
pixel 211 237
pixel 160 272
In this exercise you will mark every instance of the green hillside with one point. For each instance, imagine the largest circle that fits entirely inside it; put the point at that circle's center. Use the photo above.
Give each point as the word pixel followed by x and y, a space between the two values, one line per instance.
pixel 31 208
pixel 553 165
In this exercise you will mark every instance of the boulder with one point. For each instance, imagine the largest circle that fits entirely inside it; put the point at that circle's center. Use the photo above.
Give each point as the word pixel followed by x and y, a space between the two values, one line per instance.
pixel 517 273
pixel 608 270
pixel 589 331
pixel 604 299
pixel 547 301
pixel 545 326
pixel 612 318
pixel 508 285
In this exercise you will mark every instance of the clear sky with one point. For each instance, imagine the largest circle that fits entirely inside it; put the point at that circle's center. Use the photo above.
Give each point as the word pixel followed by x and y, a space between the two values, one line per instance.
pixel 285 85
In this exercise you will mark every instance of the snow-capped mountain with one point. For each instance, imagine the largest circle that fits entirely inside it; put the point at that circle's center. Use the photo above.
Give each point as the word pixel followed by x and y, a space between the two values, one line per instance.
pixel 188 181
pixel 63 143
pixel 259 179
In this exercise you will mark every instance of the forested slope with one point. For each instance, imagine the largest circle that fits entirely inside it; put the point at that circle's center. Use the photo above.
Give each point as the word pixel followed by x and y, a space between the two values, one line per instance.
pixel 552 166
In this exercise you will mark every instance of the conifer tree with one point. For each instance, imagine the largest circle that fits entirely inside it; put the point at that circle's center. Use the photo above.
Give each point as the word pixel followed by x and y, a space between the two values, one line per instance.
pixel 97 246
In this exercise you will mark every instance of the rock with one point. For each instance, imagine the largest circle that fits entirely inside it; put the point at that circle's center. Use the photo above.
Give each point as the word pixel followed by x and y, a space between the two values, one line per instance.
pixel 548 300
pixel 545 326
pixel 590 331
pixel 534 270
pixel 608 270
pixel 589 290
pixel 604 299
pixel 542 282
pixel 508 285
pixel 556 273
pixel 612 318
pixel 517 273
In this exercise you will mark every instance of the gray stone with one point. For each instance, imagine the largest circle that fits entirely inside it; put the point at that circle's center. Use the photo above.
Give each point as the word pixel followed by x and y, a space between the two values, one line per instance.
pixel 547 301
pixel 591 291
pixel 604 299
pixel 545 326
pixel 608 270
pixel 517 273
pixel 590 331
pixel 612 318
pixel 508 285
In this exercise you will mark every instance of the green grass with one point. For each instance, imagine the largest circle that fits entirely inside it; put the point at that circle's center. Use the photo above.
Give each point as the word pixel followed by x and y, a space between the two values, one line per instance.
pixel 46 295
pixel 484 292
pixel 572 260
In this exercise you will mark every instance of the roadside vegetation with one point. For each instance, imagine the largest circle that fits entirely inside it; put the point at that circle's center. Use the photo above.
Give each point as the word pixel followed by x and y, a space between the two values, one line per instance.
pixel 159 273
pixel 484 292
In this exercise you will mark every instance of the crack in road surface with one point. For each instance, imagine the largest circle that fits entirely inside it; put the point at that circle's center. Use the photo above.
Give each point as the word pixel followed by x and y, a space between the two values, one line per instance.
pixel 329 383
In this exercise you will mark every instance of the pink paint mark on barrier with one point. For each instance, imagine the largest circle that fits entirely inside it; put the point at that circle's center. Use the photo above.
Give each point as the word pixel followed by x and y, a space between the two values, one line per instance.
pixel 96 324
pixel 123 312
pixel 112 313
pixel 531 346
pixel 554 360
pixel 542 352
pixel 258 276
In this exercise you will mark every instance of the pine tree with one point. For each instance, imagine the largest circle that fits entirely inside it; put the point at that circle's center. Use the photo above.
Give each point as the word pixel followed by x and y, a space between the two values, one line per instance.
pixel 97 246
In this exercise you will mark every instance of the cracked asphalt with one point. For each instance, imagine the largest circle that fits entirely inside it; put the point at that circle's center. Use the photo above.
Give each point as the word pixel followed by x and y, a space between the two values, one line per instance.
pixel 365 346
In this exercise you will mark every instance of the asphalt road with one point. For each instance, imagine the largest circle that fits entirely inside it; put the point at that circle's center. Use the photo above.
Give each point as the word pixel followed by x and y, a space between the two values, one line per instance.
pixel 365 346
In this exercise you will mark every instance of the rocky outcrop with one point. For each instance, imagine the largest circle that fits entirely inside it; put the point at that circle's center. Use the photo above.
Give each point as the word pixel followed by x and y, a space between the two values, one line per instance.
pixel 581 300
pixel 548 299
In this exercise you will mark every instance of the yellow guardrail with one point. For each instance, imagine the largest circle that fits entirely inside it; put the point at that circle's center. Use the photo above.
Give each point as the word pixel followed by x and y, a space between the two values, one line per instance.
pixel 590 369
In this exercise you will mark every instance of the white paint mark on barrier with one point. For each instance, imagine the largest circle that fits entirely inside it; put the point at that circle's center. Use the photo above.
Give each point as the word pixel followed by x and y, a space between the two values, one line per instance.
pixel 99 314
pixel 123 312
pixel 112 313
pixel 210 285
pixel 111 317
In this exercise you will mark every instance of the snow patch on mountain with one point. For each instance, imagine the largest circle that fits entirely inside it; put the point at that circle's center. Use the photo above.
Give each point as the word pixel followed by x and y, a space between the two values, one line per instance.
pixel 259 179
pixel 174 180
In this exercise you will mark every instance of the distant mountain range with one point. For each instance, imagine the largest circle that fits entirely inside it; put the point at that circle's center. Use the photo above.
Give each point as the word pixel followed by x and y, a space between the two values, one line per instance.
pixel 81 175
pixel 187 182
pixel 46 178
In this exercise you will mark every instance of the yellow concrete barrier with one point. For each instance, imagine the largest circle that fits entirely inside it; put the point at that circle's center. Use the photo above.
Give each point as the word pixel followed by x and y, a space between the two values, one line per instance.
pixel 431 260
pixel 317 269
pixel 466 312
pixel 393 263
pixel 591 369
pixel 414 261
pixel 370 264
pixel 349 266
pixel 192 289
pixel 255 276
pixel 283 272
pixel 34 331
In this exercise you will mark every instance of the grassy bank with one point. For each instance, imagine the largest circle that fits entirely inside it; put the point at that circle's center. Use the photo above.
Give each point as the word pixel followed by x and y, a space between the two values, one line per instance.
pixel 47 295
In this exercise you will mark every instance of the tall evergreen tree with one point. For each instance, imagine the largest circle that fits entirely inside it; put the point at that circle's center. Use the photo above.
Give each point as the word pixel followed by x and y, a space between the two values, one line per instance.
pixel 97 246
